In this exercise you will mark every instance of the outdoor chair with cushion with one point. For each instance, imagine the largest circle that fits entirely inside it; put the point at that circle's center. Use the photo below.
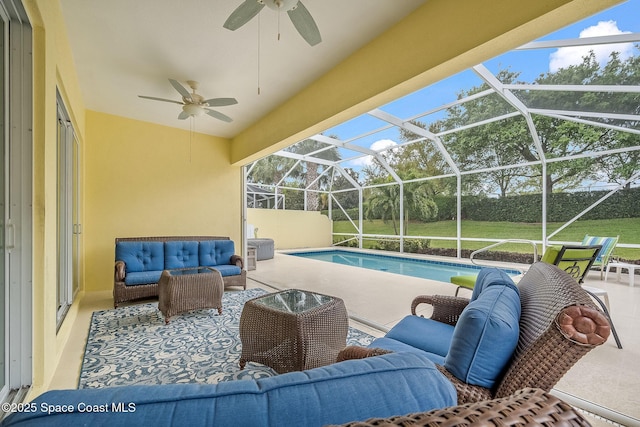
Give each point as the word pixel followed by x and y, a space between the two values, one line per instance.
pixel 608 245
pixel 558 324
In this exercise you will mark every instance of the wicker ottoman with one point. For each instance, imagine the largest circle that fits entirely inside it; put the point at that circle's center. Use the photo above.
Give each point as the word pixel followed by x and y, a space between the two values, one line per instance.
pixel 187 289
pixel 293 330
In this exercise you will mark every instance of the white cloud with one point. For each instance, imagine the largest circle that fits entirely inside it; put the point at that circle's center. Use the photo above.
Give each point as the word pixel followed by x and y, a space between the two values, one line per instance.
pixel 379 145
pixel 566 56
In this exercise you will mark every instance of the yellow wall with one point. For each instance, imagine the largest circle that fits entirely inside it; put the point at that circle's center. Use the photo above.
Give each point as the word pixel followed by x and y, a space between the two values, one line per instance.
pixel 291 229
pixel 145 179
pixel 439 39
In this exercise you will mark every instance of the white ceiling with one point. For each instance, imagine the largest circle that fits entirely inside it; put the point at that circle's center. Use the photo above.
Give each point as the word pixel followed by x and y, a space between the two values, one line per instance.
pixel 125 48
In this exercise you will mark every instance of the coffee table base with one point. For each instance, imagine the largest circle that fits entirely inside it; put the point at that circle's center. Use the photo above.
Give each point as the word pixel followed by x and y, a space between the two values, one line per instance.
pixel 182 293
pixel 290 341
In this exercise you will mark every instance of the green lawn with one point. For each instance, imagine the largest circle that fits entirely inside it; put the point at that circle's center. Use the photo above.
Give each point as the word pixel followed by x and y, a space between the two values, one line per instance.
pixel 627 228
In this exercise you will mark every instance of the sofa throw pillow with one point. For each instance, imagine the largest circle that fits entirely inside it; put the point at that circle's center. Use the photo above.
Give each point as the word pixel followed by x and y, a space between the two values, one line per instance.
pixel 485 335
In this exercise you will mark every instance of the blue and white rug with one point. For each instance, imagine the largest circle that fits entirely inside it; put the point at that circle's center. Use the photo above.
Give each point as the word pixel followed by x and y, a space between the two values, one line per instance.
pixel 132 345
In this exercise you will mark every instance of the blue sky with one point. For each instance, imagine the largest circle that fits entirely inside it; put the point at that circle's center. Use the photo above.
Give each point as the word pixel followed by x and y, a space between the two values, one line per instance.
pixel 531 63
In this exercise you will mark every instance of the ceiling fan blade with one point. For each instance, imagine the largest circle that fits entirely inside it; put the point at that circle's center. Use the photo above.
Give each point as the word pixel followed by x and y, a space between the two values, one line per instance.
pixel 160 99
pixel 243 14
pixel 181 89
pixel 304 23
pixel 218 115
pixel 183 115
pixel 220 102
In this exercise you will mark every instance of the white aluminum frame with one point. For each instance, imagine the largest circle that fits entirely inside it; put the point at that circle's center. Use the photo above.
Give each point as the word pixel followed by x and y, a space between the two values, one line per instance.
pixel 506 92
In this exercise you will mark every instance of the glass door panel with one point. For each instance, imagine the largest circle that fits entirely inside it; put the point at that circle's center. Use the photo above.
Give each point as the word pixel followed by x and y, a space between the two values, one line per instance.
pixel 3 276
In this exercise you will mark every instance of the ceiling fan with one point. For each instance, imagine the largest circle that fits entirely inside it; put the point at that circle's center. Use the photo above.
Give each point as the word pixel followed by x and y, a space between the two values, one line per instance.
pixel 299 15
pixel 194 104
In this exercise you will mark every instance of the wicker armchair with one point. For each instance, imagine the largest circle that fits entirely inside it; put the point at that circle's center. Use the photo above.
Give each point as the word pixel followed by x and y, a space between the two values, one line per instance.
pixel 525 407
pixel 559 324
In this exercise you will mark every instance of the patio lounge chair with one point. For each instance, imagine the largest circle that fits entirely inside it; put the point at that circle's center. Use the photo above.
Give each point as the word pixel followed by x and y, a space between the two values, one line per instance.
pixel 575 260
pixel 608 245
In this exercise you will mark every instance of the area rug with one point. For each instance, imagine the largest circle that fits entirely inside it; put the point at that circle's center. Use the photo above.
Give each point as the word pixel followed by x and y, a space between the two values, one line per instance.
pixel 132 345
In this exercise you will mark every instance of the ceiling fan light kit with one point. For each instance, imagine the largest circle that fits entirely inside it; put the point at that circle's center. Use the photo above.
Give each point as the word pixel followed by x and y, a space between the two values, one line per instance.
pixel 279 4
pixel 194 104
pixel 193 110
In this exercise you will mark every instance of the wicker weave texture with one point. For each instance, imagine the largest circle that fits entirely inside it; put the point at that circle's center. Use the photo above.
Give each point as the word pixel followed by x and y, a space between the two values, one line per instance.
pixel 182 293
pixel 544 354
pixel 288 341
pixel 527 407
pixel 123 293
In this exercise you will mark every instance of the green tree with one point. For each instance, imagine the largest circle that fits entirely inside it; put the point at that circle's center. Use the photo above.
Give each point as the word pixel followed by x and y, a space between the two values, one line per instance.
pixel 347 199
pixel 384 202
pixel 309 175
pixel 508 141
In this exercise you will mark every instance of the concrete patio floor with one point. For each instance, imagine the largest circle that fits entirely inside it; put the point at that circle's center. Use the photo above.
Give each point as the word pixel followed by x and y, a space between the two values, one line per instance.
pixel 606 376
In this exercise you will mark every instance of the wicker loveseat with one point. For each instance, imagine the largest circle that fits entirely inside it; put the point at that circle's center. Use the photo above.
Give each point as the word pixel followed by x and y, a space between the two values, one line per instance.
pixel 140 261
pixel 559 323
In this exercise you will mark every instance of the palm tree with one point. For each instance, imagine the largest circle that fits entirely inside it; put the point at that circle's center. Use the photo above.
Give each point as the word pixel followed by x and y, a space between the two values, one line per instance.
pixel 384 203
pixel 313 170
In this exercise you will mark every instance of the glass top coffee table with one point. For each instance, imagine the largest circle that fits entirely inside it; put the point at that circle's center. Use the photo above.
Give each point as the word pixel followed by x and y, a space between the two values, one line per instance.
pixel 185 289
pixel 293 330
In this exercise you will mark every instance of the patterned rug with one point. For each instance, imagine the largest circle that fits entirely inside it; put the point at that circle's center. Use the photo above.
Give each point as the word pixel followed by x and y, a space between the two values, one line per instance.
pixel 132 345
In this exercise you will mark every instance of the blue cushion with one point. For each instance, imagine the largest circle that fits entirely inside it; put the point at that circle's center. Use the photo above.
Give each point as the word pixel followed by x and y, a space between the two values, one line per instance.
pixel 381 386
pixel 215 252
pixel 398 346
pixel 228 270
pixel 425 334
pixel 491 276
pixel 142 277
pixel 485 335
pixel 181 254
pixel 141 256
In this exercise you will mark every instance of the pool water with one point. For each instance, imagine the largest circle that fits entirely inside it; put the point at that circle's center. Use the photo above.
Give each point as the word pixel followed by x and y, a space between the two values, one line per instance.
pixel 425 269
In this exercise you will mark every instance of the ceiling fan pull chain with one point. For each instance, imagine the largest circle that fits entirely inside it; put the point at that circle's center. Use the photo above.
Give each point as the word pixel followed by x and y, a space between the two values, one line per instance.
pixel 191 126
pixel 279 13
pixel 258 54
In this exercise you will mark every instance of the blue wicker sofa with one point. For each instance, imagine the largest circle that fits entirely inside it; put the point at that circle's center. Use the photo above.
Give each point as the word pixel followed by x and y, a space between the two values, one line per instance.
pixel 141 260
pixel 391 384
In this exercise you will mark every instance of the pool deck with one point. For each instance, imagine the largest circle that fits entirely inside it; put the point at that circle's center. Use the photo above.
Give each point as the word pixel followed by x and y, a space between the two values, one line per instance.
pixel 367 294
pixel 607 376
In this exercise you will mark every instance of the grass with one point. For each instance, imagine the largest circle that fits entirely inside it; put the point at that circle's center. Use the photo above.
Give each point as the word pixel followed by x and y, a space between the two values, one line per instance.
pixel 627 228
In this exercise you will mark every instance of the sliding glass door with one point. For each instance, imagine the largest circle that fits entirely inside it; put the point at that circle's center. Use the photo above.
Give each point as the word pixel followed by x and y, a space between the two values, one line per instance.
pixel 69 227
pixel 4 389
pixel 16 166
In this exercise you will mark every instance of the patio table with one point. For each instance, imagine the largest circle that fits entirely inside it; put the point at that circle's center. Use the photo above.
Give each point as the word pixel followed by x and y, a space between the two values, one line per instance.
pixel 631 269
pixel 185 289
pixel 293 330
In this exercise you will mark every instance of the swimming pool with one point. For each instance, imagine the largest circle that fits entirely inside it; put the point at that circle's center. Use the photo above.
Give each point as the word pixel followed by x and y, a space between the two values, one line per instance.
pixel 423 268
